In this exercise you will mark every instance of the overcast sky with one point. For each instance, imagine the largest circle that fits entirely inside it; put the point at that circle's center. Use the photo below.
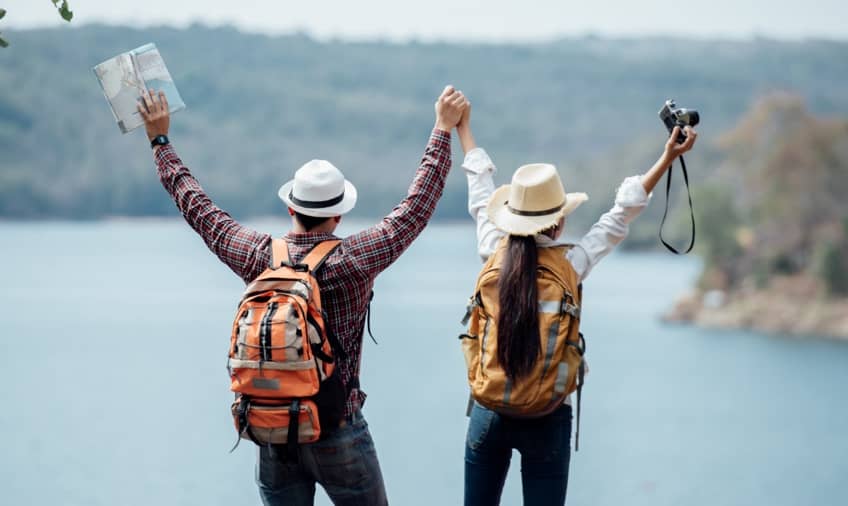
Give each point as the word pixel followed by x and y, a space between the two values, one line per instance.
pixel 490 20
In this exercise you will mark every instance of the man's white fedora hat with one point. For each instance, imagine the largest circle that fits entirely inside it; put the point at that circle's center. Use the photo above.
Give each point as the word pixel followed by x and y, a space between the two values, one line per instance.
pixel 535 201
pixel 319 189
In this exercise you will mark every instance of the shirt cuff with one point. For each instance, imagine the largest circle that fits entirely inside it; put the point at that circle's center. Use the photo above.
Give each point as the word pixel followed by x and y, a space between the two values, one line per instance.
pixel 441 136
pixel 477 161
pixel 440 141
pixel 631 193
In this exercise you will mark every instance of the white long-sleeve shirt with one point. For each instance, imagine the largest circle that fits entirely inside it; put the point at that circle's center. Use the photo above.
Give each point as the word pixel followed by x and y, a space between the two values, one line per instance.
pixel 604 235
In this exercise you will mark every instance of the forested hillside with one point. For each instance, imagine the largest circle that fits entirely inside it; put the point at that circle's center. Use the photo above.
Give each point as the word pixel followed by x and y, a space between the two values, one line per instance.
pixel 258 107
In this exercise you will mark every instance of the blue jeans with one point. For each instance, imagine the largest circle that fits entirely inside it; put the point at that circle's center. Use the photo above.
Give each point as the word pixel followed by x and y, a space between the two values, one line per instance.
pixel 344 462
pixel 545 447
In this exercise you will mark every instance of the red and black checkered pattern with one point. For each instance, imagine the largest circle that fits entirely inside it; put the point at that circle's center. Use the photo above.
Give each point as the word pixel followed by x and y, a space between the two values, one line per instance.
pixel 348 275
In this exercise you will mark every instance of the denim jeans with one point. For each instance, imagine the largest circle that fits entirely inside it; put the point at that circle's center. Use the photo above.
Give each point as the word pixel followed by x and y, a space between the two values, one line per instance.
pixel 545 447
pixel 344 462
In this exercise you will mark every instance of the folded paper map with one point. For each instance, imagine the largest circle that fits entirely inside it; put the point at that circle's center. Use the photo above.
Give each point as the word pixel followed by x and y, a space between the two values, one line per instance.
pixel 124 78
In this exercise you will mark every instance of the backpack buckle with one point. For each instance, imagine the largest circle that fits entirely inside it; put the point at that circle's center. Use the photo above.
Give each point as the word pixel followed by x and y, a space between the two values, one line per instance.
pixel 473 302
pixel 298 267
pixel 570 309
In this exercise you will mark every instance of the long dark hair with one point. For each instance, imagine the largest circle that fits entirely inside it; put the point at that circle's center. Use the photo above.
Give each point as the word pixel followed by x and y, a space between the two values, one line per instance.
pixel 518 319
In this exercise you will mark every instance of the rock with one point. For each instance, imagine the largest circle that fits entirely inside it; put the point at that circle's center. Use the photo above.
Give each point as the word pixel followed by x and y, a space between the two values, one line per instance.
pixel 792 305
pixel 685 310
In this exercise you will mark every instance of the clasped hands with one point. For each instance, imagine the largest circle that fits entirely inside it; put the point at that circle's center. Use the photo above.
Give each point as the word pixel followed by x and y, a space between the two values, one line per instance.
pixel 451 108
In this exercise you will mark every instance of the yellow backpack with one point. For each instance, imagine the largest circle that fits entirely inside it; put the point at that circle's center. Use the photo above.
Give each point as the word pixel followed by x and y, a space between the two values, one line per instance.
pixel 560 368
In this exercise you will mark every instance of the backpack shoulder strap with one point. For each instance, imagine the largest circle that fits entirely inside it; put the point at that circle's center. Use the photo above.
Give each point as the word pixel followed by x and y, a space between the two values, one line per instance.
pixel 319 254
pixel 495 259
pixel 279 253
pixel 554 259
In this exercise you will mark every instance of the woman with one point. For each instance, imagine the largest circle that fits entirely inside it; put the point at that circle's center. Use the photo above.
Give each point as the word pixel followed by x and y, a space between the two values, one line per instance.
pixel 531 214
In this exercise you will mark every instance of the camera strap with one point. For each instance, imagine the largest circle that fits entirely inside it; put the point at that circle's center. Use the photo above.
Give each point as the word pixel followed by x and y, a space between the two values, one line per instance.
pixel 691 211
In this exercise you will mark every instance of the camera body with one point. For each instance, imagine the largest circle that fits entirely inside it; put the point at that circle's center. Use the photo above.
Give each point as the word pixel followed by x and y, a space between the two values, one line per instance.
pixel 671 117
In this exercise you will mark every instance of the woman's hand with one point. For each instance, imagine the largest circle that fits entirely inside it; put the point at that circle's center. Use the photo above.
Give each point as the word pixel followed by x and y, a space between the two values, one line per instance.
pixel 463 128
pixel 673 149
pixel 154 110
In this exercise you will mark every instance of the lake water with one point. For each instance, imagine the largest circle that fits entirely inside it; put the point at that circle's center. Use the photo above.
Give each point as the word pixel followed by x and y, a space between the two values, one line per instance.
pixel 114 386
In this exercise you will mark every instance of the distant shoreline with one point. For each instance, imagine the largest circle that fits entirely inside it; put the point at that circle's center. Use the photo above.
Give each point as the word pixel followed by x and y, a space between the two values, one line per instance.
pixel 789 306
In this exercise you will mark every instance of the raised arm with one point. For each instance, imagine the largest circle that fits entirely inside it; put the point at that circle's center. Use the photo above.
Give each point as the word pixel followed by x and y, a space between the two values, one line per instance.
pixel 631 198
pixel 375 248
pixel 672 150
pixel 243 250
pixel 479 171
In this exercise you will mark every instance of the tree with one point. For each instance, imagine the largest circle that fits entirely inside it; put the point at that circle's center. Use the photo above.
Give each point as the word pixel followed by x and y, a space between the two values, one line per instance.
pixel 63 8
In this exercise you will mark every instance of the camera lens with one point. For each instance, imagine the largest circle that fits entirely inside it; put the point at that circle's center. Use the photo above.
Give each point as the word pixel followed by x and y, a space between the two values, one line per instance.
pixel 694 118
pixel 688 117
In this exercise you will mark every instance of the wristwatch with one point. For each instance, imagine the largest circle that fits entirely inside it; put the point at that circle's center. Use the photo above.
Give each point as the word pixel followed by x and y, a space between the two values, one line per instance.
pixel 159 140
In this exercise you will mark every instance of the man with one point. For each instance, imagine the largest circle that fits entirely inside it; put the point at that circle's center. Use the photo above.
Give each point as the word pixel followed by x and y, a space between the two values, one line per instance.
pixel 344 461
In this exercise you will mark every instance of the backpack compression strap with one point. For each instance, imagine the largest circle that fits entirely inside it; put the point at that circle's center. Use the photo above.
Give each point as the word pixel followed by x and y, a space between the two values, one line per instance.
pixel 294 422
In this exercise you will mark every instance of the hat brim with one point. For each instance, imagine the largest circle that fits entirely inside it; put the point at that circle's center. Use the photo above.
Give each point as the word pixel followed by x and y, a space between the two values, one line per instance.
pixel 347 203
pixel 515 224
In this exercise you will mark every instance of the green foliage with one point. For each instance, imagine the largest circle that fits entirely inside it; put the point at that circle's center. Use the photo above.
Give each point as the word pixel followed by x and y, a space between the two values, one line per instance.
pixel 762 273
pixel 785 264
pixel 3 42
pixel 717 222
pixel 63 9
pixel 831 261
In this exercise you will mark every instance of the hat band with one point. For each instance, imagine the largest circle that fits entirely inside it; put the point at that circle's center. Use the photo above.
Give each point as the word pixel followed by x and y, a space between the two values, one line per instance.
pixel 313 204
pixel 519 212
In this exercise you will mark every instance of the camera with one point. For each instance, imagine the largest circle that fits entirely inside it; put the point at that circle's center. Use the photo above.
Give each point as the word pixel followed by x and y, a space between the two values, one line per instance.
pixel 671 116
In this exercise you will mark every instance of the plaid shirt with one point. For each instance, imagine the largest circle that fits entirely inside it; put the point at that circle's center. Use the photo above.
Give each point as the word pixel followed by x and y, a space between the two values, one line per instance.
pixel 348 275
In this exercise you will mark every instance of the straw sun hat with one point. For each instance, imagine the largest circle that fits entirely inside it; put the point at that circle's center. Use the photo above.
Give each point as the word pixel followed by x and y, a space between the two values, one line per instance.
pixel 535 201
pixel 319 189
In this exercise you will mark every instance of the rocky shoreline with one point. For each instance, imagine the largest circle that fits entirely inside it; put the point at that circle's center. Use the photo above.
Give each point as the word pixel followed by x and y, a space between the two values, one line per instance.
pixel 790 305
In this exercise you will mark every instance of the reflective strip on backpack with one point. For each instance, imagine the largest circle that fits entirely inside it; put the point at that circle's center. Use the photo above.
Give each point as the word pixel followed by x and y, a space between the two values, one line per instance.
pixel 549 306
pixel 483 342
pixel 304 365
pixel 555 306
pixel 552 336
pixel 562 378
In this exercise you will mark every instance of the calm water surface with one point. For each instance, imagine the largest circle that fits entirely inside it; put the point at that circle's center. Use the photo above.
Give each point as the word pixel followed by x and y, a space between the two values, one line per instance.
pixel 114 387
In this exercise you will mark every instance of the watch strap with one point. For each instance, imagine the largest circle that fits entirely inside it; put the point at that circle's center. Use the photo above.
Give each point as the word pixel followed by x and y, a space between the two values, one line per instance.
pixel 159 140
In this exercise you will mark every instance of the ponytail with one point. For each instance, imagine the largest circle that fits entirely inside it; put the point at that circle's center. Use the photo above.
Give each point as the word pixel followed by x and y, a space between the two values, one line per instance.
pixel 518 319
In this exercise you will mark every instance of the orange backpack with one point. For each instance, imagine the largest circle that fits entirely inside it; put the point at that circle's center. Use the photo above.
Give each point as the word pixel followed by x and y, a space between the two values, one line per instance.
pixel 560 368
pixel 282 356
